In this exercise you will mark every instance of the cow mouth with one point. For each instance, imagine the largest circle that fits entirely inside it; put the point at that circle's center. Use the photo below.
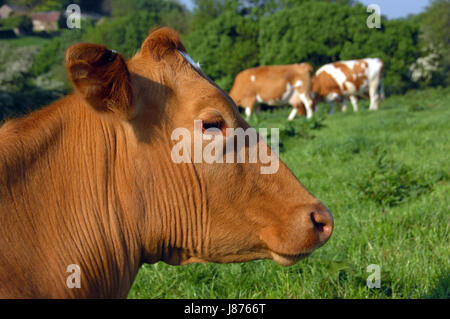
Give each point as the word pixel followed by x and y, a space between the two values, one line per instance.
pixel 287 260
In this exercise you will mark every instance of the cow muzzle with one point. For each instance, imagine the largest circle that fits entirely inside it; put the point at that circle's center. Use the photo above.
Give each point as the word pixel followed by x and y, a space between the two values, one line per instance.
pixel 299 234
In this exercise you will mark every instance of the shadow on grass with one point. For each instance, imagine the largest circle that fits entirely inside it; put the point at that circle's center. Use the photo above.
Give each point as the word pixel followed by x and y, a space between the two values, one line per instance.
pixel 442 289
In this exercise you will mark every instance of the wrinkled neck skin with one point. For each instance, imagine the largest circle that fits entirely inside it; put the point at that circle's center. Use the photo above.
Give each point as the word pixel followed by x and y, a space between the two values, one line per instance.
pixel 175 219
pixel 175 224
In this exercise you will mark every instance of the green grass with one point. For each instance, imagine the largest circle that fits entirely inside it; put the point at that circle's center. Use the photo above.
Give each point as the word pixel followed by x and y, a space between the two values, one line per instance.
pixel 402 226
pixel 25 41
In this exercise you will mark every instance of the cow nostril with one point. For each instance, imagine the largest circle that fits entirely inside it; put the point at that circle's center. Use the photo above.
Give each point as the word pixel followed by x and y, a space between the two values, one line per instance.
pixel 317 224
pixel 323 224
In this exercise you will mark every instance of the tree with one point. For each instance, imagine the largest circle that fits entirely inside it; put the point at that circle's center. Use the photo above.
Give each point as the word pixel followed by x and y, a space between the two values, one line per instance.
pixel 298 34
pixel 18 92
pixel 50 5
pixel 52 53
pixel 435 26
pixel 30 4
pixel 121 8
pixel 123 34
pixel 169 13
pixel 58 5
pixel 21 22
pixel 225 46
pixel 206 11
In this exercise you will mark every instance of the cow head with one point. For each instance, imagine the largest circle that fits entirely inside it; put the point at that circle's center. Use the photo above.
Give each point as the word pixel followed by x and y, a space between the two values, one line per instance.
pixel 193 211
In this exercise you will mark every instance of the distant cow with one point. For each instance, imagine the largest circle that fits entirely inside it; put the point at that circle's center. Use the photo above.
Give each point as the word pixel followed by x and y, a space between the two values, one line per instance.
pixel 274 85
pixel 89 189
pixel 349 79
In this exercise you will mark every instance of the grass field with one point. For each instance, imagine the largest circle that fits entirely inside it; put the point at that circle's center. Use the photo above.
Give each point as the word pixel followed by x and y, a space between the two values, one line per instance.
pixel 25 41
pixel 384 176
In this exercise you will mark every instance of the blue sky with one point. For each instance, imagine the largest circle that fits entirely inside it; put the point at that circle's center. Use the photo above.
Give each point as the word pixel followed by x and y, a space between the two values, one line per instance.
pixel 391 8
pixel 398 8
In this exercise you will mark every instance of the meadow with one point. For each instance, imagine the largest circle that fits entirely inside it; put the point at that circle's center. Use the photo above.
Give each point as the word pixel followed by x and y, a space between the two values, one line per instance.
pixel 26 41
pixel 384 176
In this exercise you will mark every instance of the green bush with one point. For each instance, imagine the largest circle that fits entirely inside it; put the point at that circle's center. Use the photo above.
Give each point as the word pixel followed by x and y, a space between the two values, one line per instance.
pixel 391 183
pixel 123 34
pixel 434 23
pixel 22 22
pixel 225 46
pixel 52 53
pixel 170 13
pixel 297 129
pixel 290 132
pixel 19 93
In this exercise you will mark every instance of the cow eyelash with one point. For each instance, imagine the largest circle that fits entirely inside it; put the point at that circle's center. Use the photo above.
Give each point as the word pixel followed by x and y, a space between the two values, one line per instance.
pixel 216 123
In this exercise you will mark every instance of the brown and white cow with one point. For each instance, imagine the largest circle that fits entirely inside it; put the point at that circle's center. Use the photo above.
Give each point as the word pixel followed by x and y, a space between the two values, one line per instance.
pixel 89 181
pixel 349 79
pixel 274 85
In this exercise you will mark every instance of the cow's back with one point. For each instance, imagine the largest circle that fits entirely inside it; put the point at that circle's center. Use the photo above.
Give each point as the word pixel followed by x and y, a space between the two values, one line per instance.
pixel 323 84
pixel 343 78
pixel 269 83
pixel 243 87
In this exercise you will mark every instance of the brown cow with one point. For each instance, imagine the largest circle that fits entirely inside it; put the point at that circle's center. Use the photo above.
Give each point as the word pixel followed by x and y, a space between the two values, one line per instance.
pixel 274 85
pixel 87 184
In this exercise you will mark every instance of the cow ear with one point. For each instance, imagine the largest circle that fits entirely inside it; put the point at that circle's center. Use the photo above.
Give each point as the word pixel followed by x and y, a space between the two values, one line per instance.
pixel 101 77
pixel 162 42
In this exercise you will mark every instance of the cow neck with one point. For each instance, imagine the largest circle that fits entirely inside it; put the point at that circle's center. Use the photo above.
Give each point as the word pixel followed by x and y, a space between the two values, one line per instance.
pixel 117 256
pixel 177 223
pixel 77 205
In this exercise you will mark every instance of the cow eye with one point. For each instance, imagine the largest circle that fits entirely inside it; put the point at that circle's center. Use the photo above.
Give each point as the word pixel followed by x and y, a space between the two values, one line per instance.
pixel 217 123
